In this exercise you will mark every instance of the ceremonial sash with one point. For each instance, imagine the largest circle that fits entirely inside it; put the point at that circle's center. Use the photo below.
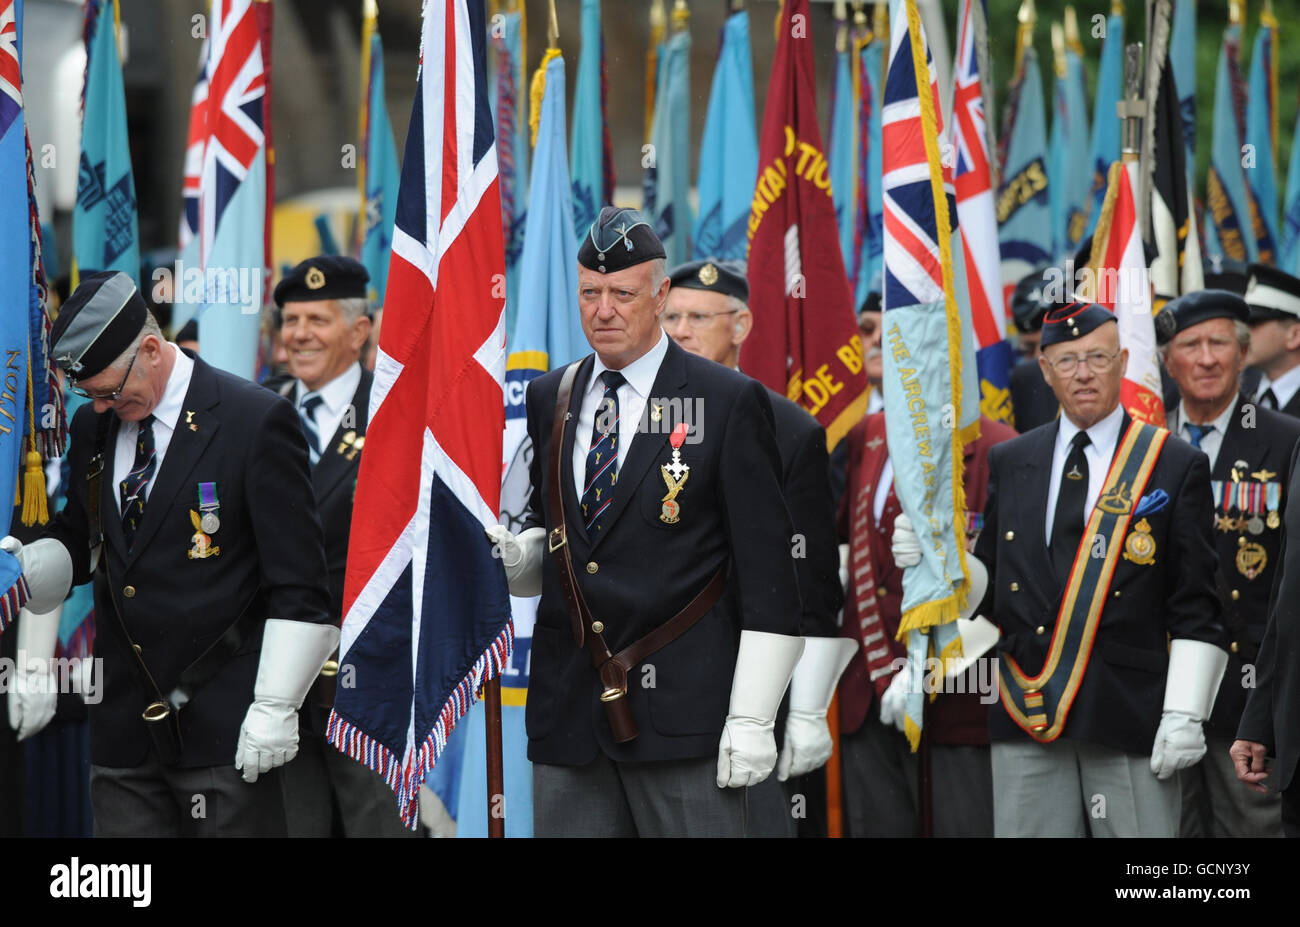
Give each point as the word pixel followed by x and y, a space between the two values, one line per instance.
pixel 1040 704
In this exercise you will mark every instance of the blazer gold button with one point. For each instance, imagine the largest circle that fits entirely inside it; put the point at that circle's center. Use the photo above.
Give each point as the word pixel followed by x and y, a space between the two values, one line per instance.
pixel 139 649
pixel 1010 535
pixel 129 592
pixel 1015 587
pixel 592 567
pixel 1117 593
pixel 1236 594
pixel 598 627
pixel 1234 646
pixel 1041 629
pixel 881 591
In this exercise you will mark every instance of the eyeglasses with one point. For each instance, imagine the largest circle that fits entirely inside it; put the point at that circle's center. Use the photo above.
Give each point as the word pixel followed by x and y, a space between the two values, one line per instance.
pixel 693 319
pixel 1097 361
pixel 106 397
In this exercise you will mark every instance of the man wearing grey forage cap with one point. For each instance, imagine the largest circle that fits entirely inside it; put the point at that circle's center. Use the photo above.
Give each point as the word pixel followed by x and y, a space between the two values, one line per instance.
pixel 191 508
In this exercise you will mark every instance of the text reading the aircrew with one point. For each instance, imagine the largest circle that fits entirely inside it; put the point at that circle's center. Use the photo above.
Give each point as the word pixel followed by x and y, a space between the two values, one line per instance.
pixel 916 411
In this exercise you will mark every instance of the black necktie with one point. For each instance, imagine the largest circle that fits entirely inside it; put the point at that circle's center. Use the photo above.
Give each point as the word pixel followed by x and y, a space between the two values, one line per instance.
pixel 602 459
pixel 1197 433
pixel 1067 525
pixel 132 488
pixel 1268 399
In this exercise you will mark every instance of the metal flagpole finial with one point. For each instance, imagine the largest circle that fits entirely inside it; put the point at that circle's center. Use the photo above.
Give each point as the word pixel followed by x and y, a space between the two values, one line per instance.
pixel 681 16
pixel 840 13
pixel 880 21
pixel 1028 15
pixel 369 9
pixel 552 26
pixel 859 14
pixel 1072 41
pixel 1130 109
pixel 1236 12
pixel 1116 7
pixel 1058 49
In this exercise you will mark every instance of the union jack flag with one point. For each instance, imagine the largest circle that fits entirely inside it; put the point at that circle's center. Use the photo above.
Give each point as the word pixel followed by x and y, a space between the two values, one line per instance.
pixel 426 609
pixel 11 82
pixel 193 175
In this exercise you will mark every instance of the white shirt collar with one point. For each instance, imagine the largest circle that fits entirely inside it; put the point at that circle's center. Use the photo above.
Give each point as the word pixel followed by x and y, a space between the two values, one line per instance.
pixel 641 373
pixel 178 384
pixel 1284 387
pixel 338 392
pixel 1220 423
pixel 1104 434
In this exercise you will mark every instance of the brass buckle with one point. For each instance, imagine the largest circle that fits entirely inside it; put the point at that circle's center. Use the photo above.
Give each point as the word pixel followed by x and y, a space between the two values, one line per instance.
pixel 552 544
pixel 613 694
pixel 331 668
pixel 157 711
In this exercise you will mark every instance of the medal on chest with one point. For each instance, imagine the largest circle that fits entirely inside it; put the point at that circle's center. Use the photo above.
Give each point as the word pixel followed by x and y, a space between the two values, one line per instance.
pixel 206 521
pixel 675 474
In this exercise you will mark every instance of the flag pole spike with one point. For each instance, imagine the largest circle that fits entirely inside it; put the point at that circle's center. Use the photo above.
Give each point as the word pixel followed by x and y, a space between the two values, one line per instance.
pixel 552 26
pixel 1027 17
pixel 1072 32
pixel 1131 109
pixel 681 16
pixel 880 22
pixel 1116 7
pixel 1058 49
pixel 1236 12
pixel 859 14
pixel 840 13
pixel 1266 15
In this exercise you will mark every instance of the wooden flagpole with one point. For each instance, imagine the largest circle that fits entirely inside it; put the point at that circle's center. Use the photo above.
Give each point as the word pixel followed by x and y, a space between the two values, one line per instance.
pixel 496 787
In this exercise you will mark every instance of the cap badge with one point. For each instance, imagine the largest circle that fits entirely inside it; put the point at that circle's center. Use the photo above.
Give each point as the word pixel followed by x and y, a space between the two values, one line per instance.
pixel 708 275
pixel 314 279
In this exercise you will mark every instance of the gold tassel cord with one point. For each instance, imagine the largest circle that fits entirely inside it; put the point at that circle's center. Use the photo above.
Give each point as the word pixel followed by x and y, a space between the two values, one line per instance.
pixel 35 504
pixel 537 91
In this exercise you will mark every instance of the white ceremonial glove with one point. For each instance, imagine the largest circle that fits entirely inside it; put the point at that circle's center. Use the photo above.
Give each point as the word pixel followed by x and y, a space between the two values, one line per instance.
pixel 747 750
pixel 1195 670
pixel 47 566
pixel 893 704
pixel 33 694
pixel 293 653
pixel 844 566
pixel 906 546
pixel 807 736
pixel 521 556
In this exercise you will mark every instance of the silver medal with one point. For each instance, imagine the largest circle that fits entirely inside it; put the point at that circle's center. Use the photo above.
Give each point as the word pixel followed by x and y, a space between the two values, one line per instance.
pixel 210 523
pixel 1255 525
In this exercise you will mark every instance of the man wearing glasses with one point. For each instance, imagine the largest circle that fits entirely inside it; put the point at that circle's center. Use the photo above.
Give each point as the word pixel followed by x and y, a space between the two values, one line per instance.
pixel 191 508
pixel 1097 539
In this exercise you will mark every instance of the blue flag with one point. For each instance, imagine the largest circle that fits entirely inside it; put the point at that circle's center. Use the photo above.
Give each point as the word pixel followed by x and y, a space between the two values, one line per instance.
pixel 510 110
pixel 1182 54
pixel 1261 109
pixel 729 150
pixel 840 144
pixel 592 167
pixel 1105 146
pixel 1228 228
pixel 1024 214
pixel 104 228
pixel 1069 180
pixel 1289 255
pixel 381 178
pixel 667 180
pixel 867 270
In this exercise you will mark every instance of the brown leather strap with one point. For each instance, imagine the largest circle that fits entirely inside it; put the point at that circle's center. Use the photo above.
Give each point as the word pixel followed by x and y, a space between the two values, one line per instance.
pixel 556 539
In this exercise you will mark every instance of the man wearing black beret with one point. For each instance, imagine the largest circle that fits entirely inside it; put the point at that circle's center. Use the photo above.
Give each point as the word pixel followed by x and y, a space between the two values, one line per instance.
pixel 1097 542
pixel 1205 341
pixel 190 506
pixel 1032 401
pixel 659 540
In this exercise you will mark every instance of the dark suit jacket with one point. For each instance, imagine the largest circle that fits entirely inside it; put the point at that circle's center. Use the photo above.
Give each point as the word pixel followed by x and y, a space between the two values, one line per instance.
pixel 1032 401
pixel 1272 713
pixel 1121 698
pixel 641 571
pixel 805 479
pixel 247 441
pixel 1266 446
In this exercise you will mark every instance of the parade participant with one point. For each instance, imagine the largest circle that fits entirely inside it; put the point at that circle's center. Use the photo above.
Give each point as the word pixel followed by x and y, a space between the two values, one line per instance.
pixel 1270 722
pixel 656 485
pixel 1102 522
pixel 1032 400
pixel 1274 300
pixel 191 508
pixel 707 314
pixel 1205 344
pixel 879 768
pixel 871 328
pixel 324 325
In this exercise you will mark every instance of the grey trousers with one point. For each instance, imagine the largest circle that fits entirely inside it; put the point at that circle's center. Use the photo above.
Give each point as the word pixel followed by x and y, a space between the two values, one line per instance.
pixel 328 794
pixel 879 774
pixel 1070 788
pixel 679 798
pixel 152 800
pixel 1217 804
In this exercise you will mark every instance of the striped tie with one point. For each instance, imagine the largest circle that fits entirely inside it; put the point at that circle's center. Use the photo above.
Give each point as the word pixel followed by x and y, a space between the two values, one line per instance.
pixel 133 487
pixel 307 416
pixel 602 460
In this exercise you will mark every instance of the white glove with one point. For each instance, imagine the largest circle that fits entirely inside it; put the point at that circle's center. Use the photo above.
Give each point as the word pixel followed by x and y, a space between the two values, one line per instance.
pixel 33 694
pixel 906 546
pixel 844 566
pixel 293 652
pixel 747 751
pixel 807 737
pixel 1195 670
pixel 893 704
pixel 521 556
pixel 47 565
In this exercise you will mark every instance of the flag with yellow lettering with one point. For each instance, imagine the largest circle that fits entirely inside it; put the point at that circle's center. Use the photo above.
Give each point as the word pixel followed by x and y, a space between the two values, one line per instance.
pixel 1024 213
pixel 805 342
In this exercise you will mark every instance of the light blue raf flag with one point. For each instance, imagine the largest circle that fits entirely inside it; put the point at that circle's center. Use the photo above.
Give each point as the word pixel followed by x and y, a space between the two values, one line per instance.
pixel 871 254
pixel 667 180
pixel 1024 215
pixel 729 150
pixel 1182 53
pixel 382 176
pixel 1104 150
pixel 842 129
pixel 104 228
pixel 1261 173
pixel 1289 256
pixel 1227 201
pixel 590 133
pixel 1069 181
pixel 548 333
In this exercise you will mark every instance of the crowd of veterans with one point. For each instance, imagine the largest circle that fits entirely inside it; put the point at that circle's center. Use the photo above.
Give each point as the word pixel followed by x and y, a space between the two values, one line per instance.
pixel 1129 664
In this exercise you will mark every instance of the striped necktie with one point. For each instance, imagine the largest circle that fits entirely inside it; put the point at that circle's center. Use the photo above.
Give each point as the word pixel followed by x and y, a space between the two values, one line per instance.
pixel 1197 433
pixel 602 460
pixel 307 416
pixel 133 487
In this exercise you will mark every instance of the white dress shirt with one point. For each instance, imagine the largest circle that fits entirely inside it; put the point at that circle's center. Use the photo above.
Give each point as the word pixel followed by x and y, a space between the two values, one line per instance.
pixel 632 396
pixel 164 426
pixel 1104 436
pixel 336 396
pixel 882 489
pixel 1284 387
pixel 1213 440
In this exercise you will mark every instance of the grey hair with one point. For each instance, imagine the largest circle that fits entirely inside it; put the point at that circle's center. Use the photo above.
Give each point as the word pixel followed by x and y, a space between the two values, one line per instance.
pixel 658 273
pixel 736 304
pixel 1239 328
pixel 353 308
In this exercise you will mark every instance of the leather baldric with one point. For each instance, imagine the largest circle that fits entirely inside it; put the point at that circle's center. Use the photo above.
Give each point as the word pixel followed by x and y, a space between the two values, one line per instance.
pixel 587 631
